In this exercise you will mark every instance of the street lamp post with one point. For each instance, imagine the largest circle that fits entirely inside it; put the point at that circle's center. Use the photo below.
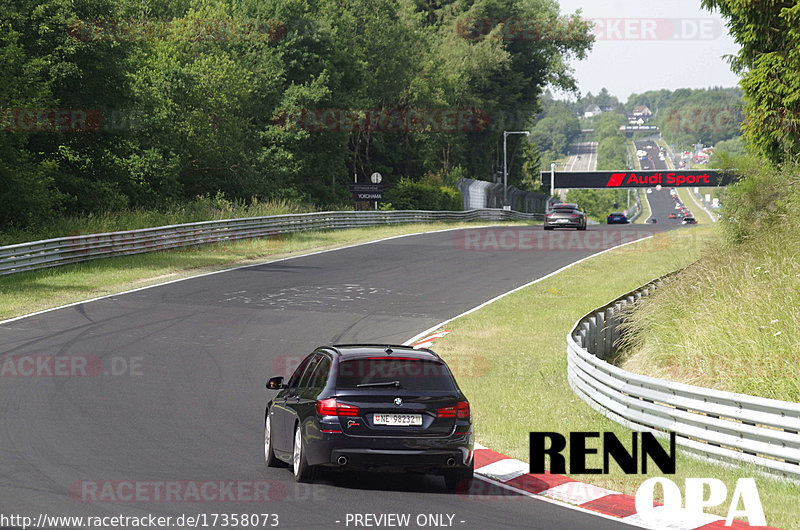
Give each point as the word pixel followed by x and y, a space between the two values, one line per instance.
pixel 505 165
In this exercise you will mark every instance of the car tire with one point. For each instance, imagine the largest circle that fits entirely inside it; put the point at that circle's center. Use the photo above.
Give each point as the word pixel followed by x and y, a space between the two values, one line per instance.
pixel 300 468
pixel 548 227
pixel 269 450
pixel 459 480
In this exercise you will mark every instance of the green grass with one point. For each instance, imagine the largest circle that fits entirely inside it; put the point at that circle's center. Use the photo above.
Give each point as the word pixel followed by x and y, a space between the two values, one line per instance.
pixel 26 292
pixel 744 330
pixel 509 358
pixel 645 213
pixel 699 212
pixel 632 151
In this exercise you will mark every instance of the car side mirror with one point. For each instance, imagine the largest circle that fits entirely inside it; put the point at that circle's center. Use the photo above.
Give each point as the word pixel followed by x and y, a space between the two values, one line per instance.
pixel 275 383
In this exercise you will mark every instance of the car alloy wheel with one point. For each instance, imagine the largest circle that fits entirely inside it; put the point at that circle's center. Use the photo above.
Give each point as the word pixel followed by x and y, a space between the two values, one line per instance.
pixel 269 453
pixel 302 471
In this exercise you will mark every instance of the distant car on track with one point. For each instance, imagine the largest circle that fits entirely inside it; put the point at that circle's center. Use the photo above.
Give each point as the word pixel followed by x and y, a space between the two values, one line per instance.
pixel 673 216
pixel 617 218
pixel 689 221
pixel 370 407
pixel 565 218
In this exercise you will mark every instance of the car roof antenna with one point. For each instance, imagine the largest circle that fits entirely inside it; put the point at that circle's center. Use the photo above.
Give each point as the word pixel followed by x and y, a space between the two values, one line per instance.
pixel 388 349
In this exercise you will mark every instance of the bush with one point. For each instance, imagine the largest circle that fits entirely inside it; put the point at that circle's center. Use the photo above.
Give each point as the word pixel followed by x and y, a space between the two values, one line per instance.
pixel 763 200
pixel 411 195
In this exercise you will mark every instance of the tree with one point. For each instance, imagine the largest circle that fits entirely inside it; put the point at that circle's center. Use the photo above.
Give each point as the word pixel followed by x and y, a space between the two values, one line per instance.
pixel 769 63
pixel 607 125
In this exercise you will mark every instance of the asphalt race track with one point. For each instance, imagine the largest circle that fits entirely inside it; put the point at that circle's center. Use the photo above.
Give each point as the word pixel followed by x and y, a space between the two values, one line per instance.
pixel 167 383
pixel 588 157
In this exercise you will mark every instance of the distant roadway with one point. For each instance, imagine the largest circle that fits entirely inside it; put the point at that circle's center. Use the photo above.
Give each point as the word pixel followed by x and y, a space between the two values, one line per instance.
pixel 661 203
pixel 582 157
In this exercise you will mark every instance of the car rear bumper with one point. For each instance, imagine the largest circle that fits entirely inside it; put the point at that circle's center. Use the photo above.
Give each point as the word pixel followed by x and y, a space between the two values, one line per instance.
pixel 425 460
pixel 568 224
pixel 424 454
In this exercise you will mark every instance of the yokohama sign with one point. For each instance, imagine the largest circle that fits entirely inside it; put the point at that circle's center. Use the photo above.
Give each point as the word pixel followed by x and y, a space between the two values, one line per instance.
pixel 638 179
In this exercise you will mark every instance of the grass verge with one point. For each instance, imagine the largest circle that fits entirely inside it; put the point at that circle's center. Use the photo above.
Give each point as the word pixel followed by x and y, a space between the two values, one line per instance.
pixel 202 208
pixel 744 330
pixel 26 292
pixel 645 213
pixel 632 152
pixel 510 360
pixel 700 213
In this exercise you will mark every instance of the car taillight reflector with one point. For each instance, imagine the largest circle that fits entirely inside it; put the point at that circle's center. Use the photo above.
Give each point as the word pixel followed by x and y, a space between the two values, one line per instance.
pixel 461 411
pixel 329 407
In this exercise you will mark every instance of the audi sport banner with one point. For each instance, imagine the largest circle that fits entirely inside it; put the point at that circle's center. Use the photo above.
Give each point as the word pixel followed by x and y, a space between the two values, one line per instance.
pixel 638 179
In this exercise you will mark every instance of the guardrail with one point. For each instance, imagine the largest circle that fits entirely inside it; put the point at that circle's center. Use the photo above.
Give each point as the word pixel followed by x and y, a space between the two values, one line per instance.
pixel 637 208
pixel 64 250
pixel 709 423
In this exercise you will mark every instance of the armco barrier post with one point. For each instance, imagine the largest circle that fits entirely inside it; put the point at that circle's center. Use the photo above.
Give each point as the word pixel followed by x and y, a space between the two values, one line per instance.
pixel 611 324
pixel 599 339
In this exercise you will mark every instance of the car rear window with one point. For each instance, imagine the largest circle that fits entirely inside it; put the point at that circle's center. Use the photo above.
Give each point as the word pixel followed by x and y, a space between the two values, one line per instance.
pixel 412 374
pixel 565 210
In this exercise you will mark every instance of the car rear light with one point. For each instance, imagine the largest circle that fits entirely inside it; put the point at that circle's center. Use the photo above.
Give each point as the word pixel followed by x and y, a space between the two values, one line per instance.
pixel 575 215
pixel 551 215
pixel 461 411
pixel 329 407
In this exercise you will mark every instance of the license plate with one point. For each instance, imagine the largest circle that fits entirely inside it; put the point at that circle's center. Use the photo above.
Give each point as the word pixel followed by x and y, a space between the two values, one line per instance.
pixel 563 220
pixel 397 419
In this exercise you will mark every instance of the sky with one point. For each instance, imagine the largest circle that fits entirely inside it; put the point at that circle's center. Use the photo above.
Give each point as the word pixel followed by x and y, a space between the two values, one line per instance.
pixel 643 45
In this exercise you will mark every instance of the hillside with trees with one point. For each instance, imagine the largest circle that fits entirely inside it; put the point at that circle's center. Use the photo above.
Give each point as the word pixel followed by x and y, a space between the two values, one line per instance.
pixel 687 117
pixel 161 102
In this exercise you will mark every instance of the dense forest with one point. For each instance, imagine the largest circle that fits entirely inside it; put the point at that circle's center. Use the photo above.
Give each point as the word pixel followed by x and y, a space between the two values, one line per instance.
pixel 115 104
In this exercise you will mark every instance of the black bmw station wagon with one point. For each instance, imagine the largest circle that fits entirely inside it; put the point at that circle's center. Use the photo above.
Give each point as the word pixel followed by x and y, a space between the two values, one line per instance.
pixel 371 407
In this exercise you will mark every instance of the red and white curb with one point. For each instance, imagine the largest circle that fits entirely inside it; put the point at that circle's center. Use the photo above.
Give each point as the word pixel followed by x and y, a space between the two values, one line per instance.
pixel 514 473
pixel 427 341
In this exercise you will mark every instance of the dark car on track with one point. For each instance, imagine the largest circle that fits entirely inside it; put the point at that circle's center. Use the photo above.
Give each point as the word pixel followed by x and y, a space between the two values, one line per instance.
pixel 617 218
pixel 370 407
pixel 689 221
pixel 565 216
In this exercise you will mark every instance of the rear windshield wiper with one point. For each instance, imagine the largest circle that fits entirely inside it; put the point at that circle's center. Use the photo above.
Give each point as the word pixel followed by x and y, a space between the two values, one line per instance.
pixel 384 383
